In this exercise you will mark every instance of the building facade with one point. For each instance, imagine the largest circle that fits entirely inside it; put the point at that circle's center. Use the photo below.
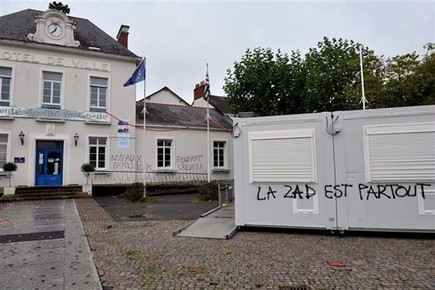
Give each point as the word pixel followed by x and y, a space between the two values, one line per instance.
pixel 61 79
pixel 173 148
pixel 63 104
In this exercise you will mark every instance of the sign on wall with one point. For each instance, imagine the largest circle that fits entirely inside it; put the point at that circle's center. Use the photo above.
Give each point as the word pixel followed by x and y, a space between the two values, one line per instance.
pixel 123 134
pixel 19 159
pixel 56 114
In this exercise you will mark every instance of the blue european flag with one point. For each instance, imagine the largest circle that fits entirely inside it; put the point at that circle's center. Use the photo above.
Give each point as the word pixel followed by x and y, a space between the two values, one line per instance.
pixel 138 74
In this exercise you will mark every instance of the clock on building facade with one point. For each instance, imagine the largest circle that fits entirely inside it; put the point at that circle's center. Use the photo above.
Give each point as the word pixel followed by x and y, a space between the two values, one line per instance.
pixel 55 30
pixel 54 27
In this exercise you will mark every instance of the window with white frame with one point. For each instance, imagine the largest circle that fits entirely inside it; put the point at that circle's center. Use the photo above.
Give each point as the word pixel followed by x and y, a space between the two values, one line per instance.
pixel 164 151
pixel 402 152
pixel 3 148
pixel 5 85
pixel 219 148
pixel 51 92
pixel 98 91
pixel 306 205
pixel 282 156
pixel 97 152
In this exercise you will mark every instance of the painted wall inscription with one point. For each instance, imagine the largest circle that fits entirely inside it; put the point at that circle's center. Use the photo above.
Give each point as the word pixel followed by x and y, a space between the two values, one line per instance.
pixel 56 61
pixel 129 162
pixel 365 192
pixel 191 163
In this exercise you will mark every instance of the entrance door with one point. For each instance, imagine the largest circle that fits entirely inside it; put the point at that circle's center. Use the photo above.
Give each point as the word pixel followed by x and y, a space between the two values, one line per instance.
pixel 49 161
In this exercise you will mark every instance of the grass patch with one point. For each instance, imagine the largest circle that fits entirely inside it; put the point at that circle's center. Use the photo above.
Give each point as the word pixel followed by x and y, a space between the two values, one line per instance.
pixel 113 242
pixel 151 268
pixel 225 252
pixel 133 255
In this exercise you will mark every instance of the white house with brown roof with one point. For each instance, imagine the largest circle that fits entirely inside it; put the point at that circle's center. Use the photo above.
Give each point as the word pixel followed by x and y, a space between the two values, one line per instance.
pixel 176 140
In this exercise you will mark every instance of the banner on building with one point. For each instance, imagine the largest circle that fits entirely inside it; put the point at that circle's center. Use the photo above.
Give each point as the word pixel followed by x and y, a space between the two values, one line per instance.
pixel 123 134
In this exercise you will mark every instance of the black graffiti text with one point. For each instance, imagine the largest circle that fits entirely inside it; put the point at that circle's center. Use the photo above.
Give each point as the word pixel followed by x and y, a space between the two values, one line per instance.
pixel 298 193
pixel 192 163
pixel 391 191
pixel 331 191
pixel 337 191
pixel 266 196
pixel 129 162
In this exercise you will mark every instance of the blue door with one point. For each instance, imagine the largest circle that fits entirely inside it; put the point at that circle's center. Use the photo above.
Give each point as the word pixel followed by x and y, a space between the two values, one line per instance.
pixel 49 163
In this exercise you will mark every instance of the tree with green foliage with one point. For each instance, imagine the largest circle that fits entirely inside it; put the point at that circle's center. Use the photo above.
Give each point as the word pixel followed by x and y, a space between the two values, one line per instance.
pixel 410 81
pixel 334 76
pixel 423 81
pixel 266 83
pixel 332 66
pixel 328 79
pixel 374 75
pixel 398 70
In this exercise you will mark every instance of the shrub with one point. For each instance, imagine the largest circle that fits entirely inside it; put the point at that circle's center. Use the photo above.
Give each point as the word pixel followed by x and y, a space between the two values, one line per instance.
pixel 87 167
pixel 209 191
pixel 135 192
pixel 9 166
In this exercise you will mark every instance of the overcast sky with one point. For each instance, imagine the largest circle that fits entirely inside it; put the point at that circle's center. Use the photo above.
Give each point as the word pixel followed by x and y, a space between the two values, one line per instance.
pixel 178 38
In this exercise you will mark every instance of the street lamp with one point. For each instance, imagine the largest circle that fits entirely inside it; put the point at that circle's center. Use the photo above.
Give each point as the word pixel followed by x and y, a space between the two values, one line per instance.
pixel 21 135
pixel 76 139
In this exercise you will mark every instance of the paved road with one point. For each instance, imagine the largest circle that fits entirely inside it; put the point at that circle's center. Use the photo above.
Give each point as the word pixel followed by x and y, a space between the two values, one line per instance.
pixel 164 207
pixel 43 246
pixel 146 255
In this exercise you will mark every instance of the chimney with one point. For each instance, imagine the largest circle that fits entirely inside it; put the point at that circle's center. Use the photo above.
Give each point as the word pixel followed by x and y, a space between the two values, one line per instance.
pixel 122 36
pixel 198 92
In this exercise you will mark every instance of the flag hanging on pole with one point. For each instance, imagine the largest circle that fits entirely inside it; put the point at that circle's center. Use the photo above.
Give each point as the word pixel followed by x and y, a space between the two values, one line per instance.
pixel 207 87
pixel 138 74
pixel 207 99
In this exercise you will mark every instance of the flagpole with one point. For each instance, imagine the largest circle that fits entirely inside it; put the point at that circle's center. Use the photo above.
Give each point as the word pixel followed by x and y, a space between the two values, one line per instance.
pixel 208 128
pixel 362 79
pixel 139 75
pixel 144 135
pixel 208 144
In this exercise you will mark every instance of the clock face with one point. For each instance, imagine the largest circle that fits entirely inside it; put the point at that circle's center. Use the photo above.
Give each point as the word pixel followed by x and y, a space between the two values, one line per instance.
pixel 55 30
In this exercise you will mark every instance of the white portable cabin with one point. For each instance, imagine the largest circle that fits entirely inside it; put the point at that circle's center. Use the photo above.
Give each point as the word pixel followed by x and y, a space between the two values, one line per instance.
pixel 352 170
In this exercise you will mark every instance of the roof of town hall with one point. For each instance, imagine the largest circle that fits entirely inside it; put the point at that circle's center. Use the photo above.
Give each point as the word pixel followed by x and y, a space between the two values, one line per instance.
pixel 16 26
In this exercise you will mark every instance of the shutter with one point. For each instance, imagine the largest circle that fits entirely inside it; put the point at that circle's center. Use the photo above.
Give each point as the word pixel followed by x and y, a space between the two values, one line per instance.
pixel 404 152
pixel 282 156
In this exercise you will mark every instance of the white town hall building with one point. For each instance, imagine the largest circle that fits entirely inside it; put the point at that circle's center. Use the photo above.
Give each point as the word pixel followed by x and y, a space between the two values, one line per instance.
pixel 63 104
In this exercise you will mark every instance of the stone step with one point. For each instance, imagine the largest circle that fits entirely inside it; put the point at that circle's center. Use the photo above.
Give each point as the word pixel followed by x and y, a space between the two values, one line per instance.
pixel 47 190
pixel 52 192
pixel 44 193
pixel 9 198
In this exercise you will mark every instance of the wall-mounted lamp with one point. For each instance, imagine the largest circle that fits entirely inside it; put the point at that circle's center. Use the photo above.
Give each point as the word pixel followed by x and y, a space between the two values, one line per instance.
pixel 21 135
pixel 76 139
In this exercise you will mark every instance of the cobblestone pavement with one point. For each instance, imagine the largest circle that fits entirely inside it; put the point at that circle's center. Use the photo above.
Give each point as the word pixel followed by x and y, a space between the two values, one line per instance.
pixel 146 255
